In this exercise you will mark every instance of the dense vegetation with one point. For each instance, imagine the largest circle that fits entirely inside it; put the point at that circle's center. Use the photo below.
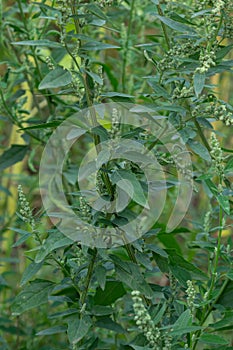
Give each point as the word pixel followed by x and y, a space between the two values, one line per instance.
pixel 116 175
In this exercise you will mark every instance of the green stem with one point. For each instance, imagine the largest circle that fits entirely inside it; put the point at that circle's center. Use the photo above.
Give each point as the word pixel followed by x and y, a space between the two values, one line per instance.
pixel 160 12
pixel 124 63
pixel 88 277
pixel 201 134
pixel 213 278
pixel 225 284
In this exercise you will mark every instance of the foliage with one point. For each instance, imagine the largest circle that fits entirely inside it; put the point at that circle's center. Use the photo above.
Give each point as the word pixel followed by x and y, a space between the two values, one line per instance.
pixel 164 290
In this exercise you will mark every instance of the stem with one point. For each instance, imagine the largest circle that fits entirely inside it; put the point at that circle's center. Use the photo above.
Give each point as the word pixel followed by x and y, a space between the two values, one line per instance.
pixel 213 279
pixel 124 64
pixel 160 11
pixel 48 98
pixel 88 277
pixel 201 134
pixel 225 284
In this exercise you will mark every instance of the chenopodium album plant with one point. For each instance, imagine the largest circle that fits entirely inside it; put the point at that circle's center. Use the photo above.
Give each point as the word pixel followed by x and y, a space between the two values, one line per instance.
pixel 163 290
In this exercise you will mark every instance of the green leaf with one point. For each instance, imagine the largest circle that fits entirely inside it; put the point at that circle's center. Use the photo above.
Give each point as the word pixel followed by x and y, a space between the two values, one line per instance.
pixel 113 290
pixel 130 274
pixel 224 203
pixel 162 262
pixel 30 271
pixel 43 126
pixel 55 240
pixel 227 320
pixel 175 25
pixel 34 295
pixel 100 310
pixel 95 46
pixel 77 328
pixel 188 329
pixel 13 155
pixel 199 149
pixel 21 240
pixel 213 339
pixel 199 83
pixel 158 317
pixel 116 94
pixel 108 323
pixel 184 320
pixel 226 296
pixel 169 241
pixel 44 43
pixel 126 180
pixel 53 330
pixel 229 166
pixel 221 53
pixel 100 273
pixel 56 78
pixel 178 262
pixel 95 77
pixel 3 282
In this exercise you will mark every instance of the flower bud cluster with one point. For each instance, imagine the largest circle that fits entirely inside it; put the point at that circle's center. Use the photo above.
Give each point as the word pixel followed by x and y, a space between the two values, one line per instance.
pixel 219 6
pixel 182 167
pixel 178 51
pixel 217 155
pixel 207 60
pixel 144 321
pixel 100 186
pixel 105 3
pixel 185 92
pixel 80 258
pixel 84 209
pixel 49 63
pixel 63 6
pixel 191 295
pixel 115 128
pixel 214 109
pixel 25 209
pixel 167 341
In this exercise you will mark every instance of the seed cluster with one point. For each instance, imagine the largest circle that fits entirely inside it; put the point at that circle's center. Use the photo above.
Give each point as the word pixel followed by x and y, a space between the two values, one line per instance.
pixel 84 209
pixel 63 6
pixel 214 109
pixel 207 60
pixel 49 63
pixel 25 210
pixel 144 321
pixel 191 295
pixel 115 128
pixel 217 155
pixel 177 51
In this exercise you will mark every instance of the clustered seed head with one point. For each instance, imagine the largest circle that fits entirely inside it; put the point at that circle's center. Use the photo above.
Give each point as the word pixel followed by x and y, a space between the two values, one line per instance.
pixel 144 321
pixel 80 258
pixel 167 341
pixel 184 92
pixel 64 8
pixel 191 295
pixel 217 155
pixel 105 3
pixel 25 209
pixel 49 63
pixel 207 60
pixel 178 50
pixel 84 209
pixel 214 109
pixel 115 128
pixel 183 167
pixel 100 186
